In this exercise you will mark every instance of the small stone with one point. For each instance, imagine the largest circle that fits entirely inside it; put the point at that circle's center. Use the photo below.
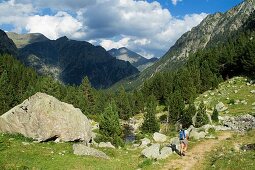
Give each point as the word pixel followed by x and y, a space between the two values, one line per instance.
pixel 253 91
pixel 106 145
pixel 158 137
pixel 25 143
pixel 235 91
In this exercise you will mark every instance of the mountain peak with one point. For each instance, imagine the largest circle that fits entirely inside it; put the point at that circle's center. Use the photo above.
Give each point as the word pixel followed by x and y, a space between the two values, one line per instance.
pixel 64 38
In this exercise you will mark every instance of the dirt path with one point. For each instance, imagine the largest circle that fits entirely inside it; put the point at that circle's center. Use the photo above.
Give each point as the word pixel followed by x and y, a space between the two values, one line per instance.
pixel 196 154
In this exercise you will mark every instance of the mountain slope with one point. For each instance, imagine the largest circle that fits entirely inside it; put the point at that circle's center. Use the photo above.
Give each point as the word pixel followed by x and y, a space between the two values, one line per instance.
pixel 21 40
pixel 6 44
pixel 70 61
pixel 211 31
pixel 135 59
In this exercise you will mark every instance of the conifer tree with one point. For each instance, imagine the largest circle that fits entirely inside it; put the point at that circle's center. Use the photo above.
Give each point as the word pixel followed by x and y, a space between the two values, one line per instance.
pixel 150 123
pixel 201 118
pixel 188 115
pixel 109 125
pixel 215 116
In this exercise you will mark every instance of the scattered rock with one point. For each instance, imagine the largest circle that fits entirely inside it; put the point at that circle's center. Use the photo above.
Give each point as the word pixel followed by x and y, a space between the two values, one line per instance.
pixel 237 102
pixel 151 151
pixel 106 145
pixel 220 107
pixel 253 104
pixel 165 152
pixel 248 147
pixel 240 123
pixel 83 150
pixel 235 91
pixel 25 143
pixel 43 117
pixel 253 91
pixel 158 137
pixel 197 135
pixel 145 142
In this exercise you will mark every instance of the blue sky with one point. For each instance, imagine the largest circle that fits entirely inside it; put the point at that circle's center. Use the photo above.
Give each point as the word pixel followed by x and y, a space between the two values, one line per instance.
pixel 147 27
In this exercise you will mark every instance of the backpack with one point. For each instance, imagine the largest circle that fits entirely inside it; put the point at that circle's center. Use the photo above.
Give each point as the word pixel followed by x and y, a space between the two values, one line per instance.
pixel 182 134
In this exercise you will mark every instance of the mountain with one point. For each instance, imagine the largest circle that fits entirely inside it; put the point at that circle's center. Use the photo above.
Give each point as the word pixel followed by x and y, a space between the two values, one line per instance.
pixel 135 59
pixel 6 44
pixel 21 40
pixel 214 29
pixel 70 61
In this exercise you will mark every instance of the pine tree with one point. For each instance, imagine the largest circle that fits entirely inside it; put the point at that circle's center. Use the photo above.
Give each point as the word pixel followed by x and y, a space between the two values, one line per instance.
pixel 201 118
pixel 215 116
pixel 175 104
pixel 109 125
pixel 125 111
pixel 5 93
pixel 150 123
pixel 186 120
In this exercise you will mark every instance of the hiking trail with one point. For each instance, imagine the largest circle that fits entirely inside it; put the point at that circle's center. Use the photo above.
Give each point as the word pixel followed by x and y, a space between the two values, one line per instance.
pixel 196 155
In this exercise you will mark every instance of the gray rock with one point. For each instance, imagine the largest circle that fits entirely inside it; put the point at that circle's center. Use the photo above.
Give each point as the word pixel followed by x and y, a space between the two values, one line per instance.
pixel 106 145
pixel 43 117
pixel 83 150
pixel 25 143
pixel 165 152
pixel 240 123
pixel 151 151
pixel 197 135
pixel 220 107
pixel 158 137
pixel 253 91
pixel 145 142
pixel 253 104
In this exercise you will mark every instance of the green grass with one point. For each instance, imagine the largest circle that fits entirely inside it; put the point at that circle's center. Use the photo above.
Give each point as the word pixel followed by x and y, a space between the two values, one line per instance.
pixel 15 155
pixel 227 157
pixel 226 94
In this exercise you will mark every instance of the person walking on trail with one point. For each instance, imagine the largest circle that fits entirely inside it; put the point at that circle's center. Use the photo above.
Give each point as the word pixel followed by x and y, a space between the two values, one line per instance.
pixel 183 141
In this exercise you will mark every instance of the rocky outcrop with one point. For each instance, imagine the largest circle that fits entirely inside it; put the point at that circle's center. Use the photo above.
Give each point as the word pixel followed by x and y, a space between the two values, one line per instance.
pixel 239 123
pixel 83 150
pixel 43 117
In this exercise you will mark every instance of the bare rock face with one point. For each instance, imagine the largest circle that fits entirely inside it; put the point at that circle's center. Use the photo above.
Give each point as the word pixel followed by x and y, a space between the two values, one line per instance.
pixel 43 117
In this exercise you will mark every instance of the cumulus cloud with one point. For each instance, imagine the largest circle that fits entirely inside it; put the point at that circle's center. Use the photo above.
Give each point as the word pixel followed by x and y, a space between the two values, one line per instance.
pixel 176 1
pixel 144 27
pixel 55 26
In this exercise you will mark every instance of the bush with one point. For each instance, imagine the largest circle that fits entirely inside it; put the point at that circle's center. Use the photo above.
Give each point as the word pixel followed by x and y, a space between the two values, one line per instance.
pixel 145 163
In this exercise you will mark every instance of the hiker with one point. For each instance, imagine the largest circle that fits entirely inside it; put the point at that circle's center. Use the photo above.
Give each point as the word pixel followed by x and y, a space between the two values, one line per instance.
pixel 183 141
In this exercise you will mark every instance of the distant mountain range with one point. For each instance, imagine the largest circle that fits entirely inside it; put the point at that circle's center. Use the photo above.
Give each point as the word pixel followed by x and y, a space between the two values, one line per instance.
pixel 67 60
pixel 135 59
pixel 212 30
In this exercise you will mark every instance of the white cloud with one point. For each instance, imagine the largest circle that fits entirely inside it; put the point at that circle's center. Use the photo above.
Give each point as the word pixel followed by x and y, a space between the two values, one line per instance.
pixel 146 28
pixel 109 44
pixel 55 26
pixel 176 1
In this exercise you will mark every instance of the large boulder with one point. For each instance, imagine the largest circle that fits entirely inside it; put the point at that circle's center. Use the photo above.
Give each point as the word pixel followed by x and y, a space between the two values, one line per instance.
pixel 83 150
pixel 43 117
pixel 158 137
pixel 151 151
pixel 165 152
